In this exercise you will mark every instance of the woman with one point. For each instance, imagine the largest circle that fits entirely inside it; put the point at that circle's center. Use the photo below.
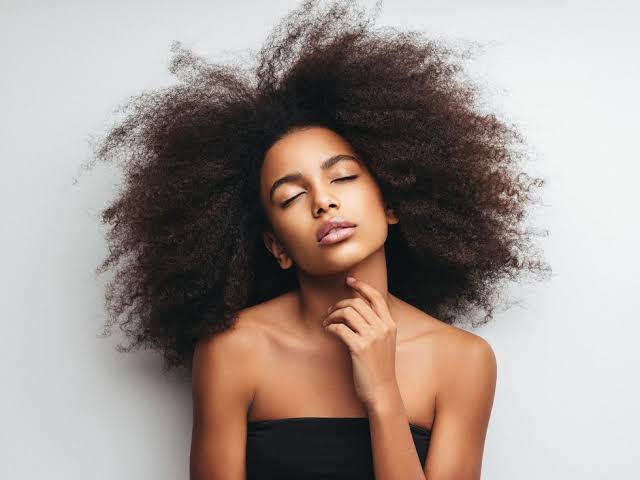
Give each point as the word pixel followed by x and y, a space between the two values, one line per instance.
pixel 249 204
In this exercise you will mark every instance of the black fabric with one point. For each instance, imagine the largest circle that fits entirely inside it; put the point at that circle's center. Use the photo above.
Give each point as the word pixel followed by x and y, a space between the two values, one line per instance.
pixel 316 448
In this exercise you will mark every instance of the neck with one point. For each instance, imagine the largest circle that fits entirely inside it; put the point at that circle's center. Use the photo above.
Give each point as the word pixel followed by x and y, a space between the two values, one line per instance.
pixel 316 294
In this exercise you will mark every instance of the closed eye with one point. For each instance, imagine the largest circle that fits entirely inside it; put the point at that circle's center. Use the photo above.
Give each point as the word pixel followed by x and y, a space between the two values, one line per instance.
pixel 346 178
pixel 343 179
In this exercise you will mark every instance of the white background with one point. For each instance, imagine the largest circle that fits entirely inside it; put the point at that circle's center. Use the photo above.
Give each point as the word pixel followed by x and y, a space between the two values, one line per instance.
pixel 565 71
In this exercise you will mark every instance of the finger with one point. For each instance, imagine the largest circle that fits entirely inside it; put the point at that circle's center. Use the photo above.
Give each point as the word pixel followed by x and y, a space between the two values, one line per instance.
pixel 348 336
pixel 374 297
pixel 363 308
pixel 351 317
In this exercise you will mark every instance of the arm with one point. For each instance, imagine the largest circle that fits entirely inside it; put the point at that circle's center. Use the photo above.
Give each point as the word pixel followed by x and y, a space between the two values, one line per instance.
pixel 463 407
pixel 222 387
pixel 394 453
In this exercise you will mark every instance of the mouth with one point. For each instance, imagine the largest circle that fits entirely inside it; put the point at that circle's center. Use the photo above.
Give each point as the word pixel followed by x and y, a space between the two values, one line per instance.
pixel 334 223
pixel 336 235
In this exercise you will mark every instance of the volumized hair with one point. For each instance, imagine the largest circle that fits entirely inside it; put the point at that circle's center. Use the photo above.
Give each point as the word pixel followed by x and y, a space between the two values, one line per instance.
pixel 184 231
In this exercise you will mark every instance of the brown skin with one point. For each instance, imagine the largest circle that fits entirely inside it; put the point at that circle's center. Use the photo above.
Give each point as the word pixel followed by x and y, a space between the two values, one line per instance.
pixel 322 269
pixel 279 361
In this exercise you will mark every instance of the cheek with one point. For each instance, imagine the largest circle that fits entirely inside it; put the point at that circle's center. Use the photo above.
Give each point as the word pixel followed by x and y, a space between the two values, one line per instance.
pixel 372 206
pixel 369 199
pixel 294 236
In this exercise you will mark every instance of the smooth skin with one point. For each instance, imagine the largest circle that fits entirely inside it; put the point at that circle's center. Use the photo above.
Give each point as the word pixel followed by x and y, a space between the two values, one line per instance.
pixel 280 361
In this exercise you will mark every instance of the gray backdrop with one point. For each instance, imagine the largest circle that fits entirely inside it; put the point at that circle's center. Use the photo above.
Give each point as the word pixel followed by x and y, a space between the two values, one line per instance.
pixel 566 71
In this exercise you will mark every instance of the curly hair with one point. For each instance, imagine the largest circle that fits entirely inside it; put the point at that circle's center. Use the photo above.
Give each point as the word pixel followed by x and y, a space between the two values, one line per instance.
pixel 184 237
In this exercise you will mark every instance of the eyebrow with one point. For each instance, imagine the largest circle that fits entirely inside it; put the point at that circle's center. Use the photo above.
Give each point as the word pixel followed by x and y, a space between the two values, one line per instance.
pixel 325 165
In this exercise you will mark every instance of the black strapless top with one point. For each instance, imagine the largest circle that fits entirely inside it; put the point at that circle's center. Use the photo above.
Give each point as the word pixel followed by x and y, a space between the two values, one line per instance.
pixel 314 448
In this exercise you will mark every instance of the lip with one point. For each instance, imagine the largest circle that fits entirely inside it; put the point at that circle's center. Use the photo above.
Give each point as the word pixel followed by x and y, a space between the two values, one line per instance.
pixel 334 222
pixel 337 235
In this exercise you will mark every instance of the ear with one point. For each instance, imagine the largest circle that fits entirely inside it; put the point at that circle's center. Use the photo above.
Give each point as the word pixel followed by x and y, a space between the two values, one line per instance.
pixel 277 250
pixel 392 218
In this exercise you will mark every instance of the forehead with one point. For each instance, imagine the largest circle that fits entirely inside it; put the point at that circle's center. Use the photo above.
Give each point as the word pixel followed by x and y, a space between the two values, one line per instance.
pixel 302 150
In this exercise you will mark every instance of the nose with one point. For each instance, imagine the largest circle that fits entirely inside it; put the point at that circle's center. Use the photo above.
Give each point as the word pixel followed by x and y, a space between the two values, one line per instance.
pixel 324 201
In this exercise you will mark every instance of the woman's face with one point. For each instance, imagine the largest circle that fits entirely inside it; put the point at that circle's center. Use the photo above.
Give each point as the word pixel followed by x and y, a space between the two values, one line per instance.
pixel 317 191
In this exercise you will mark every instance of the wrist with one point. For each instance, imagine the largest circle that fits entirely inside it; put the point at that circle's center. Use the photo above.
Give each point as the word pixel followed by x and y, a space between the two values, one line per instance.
pixel 387 401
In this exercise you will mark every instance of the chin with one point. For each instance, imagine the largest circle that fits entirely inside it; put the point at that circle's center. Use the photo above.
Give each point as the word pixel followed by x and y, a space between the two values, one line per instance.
pixel 336 260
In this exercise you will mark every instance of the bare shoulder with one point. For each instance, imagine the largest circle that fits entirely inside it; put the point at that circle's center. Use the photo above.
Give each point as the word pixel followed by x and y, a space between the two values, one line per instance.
pixel 224 377
pixel 249 336
pixel 237 341
pixel 453 350
pixel 467 364
pixel 459 345
pixel 462 371
pixel 230 359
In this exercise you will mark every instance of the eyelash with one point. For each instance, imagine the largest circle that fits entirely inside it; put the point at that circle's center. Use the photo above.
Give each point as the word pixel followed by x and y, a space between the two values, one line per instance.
pixel 286 202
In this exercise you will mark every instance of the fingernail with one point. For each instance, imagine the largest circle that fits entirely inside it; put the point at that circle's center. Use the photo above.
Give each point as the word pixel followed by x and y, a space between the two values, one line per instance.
pixel 350 279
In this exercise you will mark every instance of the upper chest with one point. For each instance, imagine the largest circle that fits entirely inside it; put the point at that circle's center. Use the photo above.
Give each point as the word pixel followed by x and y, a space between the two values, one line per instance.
pixel 300 379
